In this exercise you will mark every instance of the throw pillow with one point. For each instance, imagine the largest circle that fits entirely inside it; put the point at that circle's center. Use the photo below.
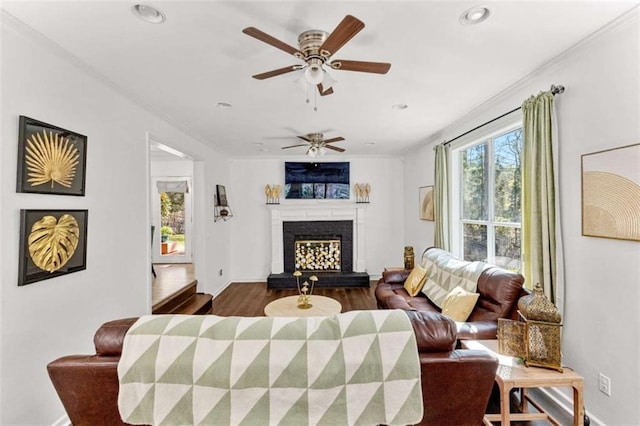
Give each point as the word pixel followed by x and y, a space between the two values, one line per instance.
pixel 414 282
pixel 459 303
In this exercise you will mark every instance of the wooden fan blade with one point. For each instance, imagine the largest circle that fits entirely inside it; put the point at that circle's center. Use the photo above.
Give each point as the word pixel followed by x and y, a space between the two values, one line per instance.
pixel 304 138
pixel 335 148
pixel 332 140
pixel 323 92
pixel 346 29
pixel 293 146
pixel 274 73
pixel 362 66
pixel 266 38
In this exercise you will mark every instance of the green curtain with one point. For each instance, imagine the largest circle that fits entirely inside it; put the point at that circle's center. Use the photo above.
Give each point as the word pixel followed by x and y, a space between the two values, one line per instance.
pixel 441 198
pixel 541 236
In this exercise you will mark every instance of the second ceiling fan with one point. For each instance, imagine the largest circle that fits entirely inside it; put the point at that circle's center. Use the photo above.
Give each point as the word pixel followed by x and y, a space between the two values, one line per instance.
pixel 315 48
pixel 317 145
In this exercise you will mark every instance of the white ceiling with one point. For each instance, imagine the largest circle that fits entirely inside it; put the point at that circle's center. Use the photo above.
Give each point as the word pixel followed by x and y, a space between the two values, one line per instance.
pixel 182 68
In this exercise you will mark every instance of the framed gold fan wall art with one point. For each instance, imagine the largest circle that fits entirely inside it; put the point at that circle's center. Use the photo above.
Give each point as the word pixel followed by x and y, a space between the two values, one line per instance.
pixel 52 243
pixel 51 160
pixel 611 193
pixel 426 202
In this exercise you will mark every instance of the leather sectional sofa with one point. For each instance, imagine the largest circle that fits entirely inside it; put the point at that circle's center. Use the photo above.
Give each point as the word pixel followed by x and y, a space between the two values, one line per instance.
pixel 499 291
pixel 456 383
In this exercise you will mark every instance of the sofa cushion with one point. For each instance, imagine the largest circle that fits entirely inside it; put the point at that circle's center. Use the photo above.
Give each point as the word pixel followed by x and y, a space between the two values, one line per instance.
pixel 459 303
pixel 445 272
pixel 416 279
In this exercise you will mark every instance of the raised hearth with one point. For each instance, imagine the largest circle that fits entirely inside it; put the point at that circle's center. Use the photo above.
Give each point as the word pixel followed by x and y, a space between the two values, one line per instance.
pixel 325 279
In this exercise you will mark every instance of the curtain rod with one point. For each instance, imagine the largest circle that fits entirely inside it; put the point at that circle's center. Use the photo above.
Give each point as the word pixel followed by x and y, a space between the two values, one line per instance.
pixel 556 89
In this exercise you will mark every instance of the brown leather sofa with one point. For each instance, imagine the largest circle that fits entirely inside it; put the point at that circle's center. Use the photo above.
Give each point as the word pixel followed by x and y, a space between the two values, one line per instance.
pixel 499 291
pixel 456 383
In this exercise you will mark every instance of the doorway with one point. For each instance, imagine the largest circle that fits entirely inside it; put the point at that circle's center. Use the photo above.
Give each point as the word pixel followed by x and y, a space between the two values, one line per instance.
pixel 172 219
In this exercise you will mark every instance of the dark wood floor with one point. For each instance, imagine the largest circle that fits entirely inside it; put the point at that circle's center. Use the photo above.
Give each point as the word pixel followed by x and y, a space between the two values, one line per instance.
pixel 249 299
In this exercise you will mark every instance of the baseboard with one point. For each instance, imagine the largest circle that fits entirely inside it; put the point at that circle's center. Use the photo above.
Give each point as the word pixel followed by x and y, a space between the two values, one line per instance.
pixel 62 421
pixel 221 289
pixel 565 402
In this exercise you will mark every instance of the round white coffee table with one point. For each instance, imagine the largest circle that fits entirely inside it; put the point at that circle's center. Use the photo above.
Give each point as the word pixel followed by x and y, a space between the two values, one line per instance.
pixel 288 307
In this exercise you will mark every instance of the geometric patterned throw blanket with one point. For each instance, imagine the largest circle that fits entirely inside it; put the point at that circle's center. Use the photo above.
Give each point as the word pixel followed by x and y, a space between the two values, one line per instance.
pixel 446 272
pixel 355 368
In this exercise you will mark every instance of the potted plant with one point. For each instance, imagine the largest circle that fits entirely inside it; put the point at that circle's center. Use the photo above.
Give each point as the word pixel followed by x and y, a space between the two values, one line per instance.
pixel 165 231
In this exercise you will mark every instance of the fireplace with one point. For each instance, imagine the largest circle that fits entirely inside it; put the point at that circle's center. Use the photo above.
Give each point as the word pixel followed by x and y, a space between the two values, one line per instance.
pixel 326 242
pixel 316 231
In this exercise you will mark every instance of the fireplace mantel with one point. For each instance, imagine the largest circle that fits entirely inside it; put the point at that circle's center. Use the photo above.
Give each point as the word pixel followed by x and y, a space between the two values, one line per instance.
pixel 312 212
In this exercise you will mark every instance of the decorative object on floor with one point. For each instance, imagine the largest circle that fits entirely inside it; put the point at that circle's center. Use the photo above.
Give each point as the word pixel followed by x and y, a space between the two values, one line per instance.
pixel 305 291
pixel 52 243
pixel 272 193
pixel 426 202
pixel 409 258
pixel 611 193
pixel 51 160
pixel 538 330
pixel 315 48
pixel 362 191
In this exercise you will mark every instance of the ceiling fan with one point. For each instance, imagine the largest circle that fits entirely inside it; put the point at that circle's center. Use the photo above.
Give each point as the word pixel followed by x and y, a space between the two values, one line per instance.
pixel 315 48
pixel 317 145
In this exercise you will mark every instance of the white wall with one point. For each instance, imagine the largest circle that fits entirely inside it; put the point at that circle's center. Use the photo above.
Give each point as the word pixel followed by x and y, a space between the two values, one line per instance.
pixel 251 224
pixel 598 111
pixel 48 319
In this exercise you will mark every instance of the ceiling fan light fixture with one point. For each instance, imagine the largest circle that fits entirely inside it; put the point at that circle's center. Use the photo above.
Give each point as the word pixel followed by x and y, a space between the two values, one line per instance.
pixel 475 15
pixel 312 152
pixel 328 81
pixel 314 74
pixel 148 13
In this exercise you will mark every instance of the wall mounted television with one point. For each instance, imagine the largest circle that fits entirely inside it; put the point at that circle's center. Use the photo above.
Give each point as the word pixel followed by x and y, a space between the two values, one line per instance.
pixel 316 180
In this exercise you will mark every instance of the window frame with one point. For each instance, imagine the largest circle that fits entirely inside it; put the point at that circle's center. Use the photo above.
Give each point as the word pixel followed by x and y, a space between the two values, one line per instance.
pixel 487 133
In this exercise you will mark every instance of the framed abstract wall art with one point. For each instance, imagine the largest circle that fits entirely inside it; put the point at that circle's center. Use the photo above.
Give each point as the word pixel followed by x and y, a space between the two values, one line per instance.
pixel 51 160
pixel 611 193
pixel 426 202
pixel 52 243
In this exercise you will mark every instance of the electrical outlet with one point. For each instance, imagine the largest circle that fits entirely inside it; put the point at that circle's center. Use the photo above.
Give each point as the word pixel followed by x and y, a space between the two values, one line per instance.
pixel 604 384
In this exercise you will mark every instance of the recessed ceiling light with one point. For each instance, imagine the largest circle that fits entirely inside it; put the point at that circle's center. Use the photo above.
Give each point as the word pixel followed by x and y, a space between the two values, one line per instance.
pixel 475 15
pixel 224 105
pixel 400 107
pixel 148 13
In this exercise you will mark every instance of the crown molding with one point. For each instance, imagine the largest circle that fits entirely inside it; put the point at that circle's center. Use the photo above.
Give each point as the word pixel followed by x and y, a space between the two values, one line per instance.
pixel 627 18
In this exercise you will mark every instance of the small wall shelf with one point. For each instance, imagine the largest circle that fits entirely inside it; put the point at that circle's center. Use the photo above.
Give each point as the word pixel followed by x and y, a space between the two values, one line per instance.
pixel 222 213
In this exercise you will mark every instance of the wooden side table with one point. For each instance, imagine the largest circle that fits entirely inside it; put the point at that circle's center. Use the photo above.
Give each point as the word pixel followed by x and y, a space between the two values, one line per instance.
pixel 512 375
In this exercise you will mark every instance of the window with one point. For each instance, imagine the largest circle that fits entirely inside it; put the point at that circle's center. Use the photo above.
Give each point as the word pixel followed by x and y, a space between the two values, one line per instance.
pixel 486 186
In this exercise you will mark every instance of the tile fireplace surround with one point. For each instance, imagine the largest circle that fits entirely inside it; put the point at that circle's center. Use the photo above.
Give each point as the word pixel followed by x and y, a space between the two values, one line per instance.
pixel 317 212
